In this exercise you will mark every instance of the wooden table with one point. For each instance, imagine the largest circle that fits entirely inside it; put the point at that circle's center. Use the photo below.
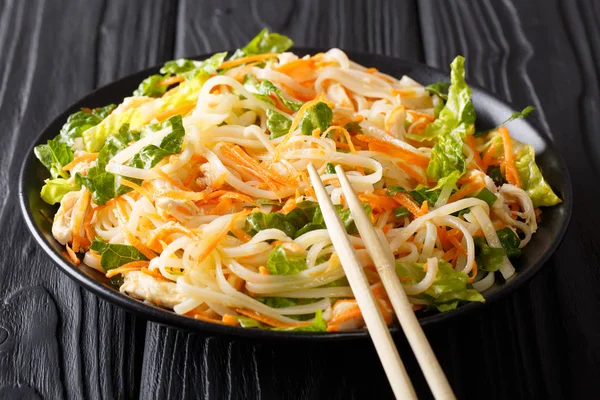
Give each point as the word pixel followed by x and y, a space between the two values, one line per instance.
pixel 59 341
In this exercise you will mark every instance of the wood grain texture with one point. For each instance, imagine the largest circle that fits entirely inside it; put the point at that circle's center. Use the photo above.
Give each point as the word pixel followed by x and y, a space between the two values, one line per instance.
pixel 58 341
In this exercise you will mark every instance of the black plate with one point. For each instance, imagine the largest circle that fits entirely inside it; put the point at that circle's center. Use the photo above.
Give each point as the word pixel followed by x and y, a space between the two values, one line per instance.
pixel 490 112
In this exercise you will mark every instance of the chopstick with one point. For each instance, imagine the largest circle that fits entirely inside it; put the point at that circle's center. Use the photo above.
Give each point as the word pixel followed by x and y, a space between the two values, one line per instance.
pixel 384 345
pixel 385 263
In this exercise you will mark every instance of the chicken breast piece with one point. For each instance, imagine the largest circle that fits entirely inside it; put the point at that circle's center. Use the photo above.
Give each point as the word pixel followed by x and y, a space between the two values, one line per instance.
pixel 143 286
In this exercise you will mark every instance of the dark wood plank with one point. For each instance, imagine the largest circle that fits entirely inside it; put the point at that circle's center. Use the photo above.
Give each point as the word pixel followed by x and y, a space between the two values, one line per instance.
pixel 178 365
pixel 56 339
pixel 543 53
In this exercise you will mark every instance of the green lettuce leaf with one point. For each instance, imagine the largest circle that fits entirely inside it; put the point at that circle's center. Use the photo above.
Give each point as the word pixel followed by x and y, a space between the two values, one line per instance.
pixel 151 155
pixel 267 88
pixel 116 255
pixel 186 93
pixel 263 43
pixel 149 86
pixel 94 137
pixel 55 189
pixel 247 322
pixel 488 258
pixel 304 218
pixel 454 122
pixel 79 122
pixel 54 155
pixel 277 124
pixel 318 325
pixel 190 69
pixel 318 116
pixel 353 127
pixel 510 242
pixel 281 262
pixel 439 88
pixel 104 185
pixel 448 289
pixel 280 302
pixel 259 221
pixel 458 113
pixel 532 181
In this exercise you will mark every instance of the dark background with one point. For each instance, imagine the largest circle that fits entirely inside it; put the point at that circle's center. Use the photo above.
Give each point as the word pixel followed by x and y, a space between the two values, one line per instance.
pixel 59 341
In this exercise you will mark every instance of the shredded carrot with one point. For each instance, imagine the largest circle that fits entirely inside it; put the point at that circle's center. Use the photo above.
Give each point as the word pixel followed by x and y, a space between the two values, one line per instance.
pixel 394 150
pixel 240 234
pixel 230 320
pixel 269 320
pixel 371 70
pixel 476 156
pixel 443 235
pixel 466 190
pixel 78 217
pixel 450 254
pixel 386 228
pixel 347 313
pixel 323 64
pixel 182 109
pixel 185 195
pixel 72 255
pixel 425 207
pixel 405 200
pixel 252 167
pixel 455 236
pixel 378 203
pixel 170 81
pixel 236 282
pixel 164 232
pixel 410 171
pixel 155 273
pixel 142 248
pixel 402 92
pixel 487 157
pixel 346 135
pixel 263 270
pixel 512 175
pixel 214 240
pixel 418 115
pixel 289 206
pixel 130 266
pixel 167 178
pixel 137 188
pixel 202 317
pixel 245 60
pixel 473 273
pixel 223 207
pixel 77 160
pixel 288 68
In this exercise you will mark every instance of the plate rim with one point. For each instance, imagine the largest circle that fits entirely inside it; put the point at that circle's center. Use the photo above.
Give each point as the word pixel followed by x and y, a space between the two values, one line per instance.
pixel 169 318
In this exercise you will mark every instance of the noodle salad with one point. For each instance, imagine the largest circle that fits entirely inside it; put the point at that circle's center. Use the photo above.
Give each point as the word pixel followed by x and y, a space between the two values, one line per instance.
pixel 193 193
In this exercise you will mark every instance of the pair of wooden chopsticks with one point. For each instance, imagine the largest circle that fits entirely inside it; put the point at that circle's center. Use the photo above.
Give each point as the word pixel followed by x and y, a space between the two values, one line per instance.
pixel 384 261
